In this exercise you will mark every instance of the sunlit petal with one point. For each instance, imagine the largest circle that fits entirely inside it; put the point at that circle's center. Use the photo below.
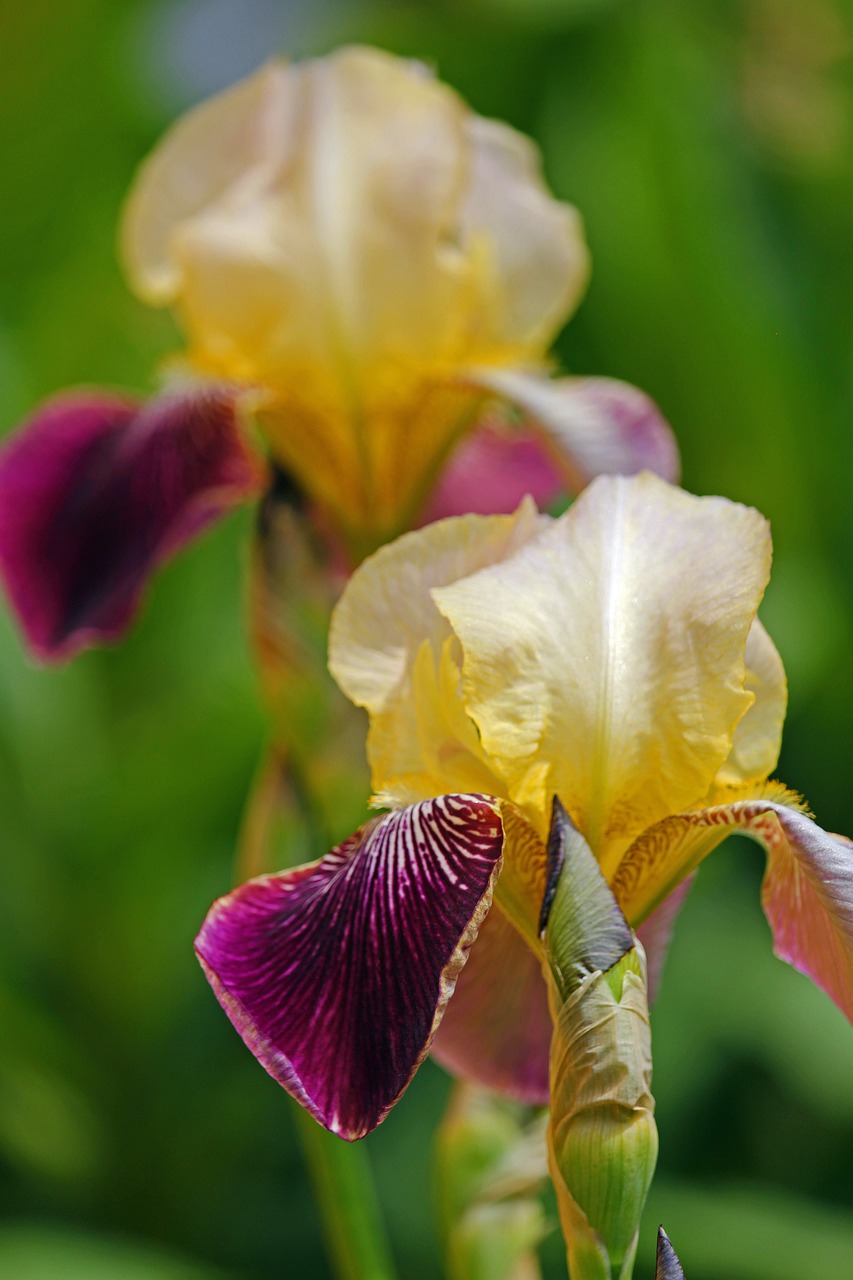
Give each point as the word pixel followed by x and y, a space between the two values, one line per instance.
pixel 620 632
pixel 592 426
pixel 337 974
pixel 392 652
pixel 758 737
pixel 96 490
pixel 808 887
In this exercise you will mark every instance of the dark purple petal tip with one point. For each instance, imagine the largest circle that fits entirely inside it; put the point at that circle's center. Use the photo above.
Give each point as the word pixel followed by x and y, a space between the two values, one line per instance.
pixel 337 974
pixel 98 489
pixel 668 1267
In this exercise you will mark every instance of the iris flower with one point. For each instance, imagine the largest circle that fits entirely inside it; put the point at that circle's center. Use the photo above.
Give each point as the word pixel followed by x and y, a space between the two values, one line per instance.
pixel 361 267
pixel 612 658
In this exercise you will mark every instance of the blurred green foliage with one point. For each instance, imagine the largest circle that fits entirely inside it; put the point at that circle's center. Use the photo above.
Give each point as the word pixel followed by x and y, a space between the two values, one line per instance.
pixel 709 147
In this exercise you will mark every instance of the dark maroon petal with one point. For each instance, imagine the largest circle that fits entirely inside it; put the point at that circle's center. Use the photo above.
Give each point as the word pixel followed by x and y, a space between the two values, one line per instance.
pixel 336 974
pixel 497 1028
pixel 491 471
pixel 96 491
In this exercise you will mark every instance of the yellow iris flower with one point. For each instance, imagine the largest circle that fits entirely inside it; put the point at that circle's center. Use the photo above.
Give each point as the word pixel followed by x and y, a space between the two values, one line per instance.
pixel 613 658
pixel 373 261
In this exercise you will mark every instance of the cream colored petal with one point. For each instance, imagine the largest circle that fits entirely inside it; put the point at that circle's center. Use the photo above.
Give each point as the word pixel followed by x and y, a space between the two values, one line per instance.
pixel 247 129
pixel 604 661
pixel 590 426
pixel 392 652
pixel 536 263
pixel 299 219
pixel 758 737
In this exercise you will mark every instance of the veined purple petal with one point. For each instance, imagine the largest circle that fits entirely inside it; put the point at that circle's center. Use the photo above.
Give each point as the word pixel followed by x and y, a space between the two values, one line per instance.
pixel 337 974
pixel 491 471
pixel 497 1029
pixel 98 489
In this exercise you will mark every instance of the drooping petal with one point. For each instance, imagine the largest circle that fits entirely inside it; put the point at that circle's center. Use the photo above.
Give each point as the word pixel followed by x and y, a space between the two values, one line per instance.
pixel 592 426
pixel 497 1028
pixel 392 652
pixel 96 491
pixel 758 736
pixel 337 974
pixel 491 471
pixel 604 660
pixel 808 887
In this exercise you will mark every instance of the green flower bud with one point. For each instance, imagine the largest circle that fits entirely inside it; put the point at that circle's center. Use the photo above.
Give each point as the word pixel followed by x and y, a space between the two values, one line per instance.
pixel 490 1167
pixel 602 1139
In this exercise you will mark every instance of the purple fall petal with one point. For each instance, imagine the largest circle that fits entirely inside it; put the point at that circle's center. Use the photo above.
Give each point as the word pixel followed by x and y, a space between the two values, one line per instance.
pixel 497 1029
pixel 490 472
pixel 336 974
pixel 96 490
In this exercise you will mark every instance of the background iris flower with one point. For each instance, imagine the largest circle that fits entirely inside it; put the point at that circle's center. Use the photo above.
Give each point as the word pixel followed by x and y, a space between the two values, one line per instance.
pixel 360 266
pixel 611 657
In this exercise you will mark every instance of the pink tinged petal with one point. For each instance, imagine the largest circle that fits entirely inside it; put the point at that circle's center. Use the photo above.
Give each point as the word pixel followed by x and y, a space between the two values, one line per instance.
pixel 655 933
pixel 491 471
pixel 808 887
pixel 96 491
pixel 808 898
pixel 497 1028
pixel 337 974
pixel 592 426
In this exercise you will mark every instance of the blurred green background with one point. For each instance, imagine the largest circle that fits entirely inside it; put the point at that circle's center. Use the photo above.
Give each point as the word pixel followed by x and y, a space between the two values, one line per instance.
pixel 708 145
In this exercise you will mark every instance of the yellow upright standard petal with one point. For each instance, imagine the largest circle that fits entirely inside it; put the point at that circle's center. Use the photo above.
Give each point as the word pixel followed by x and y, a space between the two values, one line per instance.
pixel 392 652
pixel 604 661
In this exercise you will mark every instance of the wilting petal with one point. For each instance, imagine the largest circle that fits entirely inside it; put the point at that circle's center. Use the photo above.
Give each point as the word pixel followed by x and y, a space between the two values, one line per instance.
pixel 667 1265
pixel 604 660
pixel 96 491
pixel 491 471
pixel 337 974
pixel 758 737
pixel 392 652
pixel 808 887
pixel 593 426
pixel 497 1028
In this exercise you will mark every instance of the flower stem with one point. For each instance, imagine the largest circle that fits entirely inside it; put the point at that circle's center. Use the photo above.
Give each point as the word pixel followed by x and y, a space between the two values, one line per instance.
pixel 343 1185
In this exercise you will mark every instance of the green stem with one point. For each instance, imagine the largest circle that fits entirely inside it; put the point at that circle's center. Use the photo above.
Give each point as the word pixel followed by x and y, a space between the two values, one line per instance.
pixel 343 1184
